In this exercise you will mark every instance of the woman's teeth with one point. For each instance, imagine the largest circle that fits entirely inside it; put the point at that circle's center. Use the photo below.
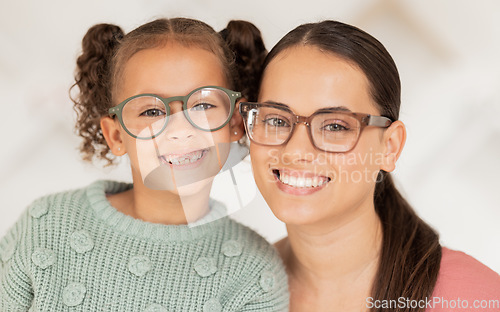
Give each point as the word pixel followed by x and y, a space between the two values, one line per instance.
pixel 184 159
pixel 302 182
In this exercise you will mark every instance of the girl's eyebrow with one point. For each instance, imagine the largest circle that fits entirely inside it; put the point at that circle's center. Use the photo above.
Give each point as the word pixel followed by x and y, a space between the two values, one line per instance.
pixel 327 109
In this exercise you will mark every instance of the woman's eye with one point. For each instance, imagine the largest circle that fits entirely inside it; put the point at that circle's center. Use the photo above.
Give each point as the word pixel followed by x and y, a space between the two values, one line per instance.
pixel 153 112
pixel 335 127
pixel 276 122
pixel 202 107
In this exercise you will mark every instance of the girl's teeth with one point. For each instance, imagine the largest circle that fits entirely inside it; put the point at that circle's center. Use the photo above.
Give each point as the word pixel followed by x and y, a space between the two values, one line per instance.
pixel 186 159
pixel 302 182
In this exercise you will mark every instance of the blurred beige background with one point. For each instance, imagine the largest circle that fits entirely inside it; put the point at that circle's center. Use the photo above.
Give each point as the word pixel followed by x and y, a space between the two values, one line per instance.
pixel 447 53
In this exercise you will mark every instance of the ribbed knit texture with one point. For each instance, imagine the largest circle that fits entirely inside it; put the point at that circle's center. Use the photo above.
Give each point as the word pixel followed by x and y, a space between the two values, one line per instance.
pixel 72 251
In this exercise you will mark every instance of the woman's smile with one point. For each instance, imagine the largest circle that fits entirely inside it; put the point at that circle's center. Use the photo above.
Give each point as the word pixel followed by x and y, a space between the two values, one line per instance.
pixel 296 182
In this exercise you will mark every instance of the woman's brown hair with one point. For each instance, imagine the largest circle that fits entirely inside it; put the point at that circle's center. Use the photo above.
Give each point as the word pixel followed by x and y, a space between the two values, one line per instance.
pixel 411 253
pixel 106 49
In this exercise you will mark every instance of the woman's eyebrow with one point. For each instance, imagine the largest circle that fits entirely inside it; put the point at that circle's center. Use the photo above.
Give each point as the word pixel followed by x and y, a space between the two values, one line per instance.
pixel 327 109
pixel 336 108
pixel 277 103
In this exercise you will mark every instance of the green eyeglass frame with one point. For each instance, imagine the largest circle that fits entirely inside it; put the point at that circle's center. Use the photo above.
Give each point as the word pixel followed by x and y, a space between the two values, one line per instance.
pixel 118 109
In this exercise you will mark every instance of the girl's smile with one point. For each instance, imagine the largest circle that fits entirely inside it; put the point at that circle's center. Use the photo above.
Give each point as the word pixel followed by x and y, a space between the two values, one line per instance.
pixel 187 160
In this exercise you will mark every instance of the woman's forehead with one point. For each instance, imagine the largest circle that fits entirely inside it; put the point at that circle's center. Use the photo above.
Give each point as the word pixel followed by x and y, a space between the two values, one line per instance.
pixel 307 79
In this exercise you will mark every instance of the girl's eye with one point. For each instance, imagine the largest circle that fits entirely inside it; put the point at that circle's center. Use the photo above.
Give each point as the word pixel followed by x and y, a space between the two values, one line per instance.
pixel 153 112
pixel 276 122
pixel 335 127
pixel 202 107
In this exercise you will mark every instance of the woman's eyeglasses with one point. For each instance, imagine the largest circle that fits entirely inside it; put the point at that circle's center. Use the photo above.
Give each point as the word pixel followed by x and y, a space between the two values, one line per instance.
pixel 145 116
pixel 330 129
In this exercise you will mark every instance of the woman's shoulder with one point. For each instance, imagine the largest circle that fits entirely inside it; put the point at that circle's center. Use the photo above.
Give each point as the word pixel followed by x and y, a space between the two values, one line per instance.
pixel 462 276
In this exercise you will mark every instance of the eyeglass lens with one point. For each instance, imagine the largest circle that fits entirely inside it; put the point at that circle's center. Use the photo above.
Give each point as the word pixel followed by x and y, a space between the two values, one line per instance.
pixel 147 116
pixel 334 132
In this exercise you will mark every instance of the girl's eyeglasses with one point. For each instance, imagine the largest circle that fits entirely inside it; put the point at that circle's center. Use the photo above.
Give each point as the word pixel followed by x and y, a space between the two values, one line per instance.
pixel 145 116
pixel 330 129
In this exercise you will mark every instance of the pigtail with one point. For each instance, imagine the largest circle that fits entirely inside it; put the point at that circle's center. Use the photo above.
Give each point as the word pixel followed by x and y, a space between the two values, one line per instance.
pixel 245 40
pixel 92 78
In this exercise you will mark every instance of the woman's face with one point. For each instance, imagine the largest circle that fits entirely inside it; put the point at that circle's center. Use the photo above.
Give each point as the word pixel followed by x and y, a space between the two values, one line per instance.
pixel 181 155
pixel 306 80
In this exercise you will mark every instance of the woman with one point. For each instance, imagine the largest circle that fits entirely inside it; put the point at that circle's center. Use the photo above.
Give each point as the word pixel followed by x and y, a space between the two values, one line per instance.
pixel 325 136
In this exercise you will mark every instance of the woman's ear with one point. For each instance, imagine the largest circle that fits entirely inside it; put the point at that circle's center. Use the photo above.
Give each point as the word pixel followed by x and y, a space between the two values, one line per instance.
pixel 394 140
pixel 111 131
pixel 236 123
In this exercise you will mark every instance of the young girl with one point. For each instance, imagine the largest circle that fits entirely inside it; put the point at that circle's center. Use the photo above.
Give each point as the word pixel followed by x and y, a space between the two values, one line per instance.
pixel 161 94
pixel 325 136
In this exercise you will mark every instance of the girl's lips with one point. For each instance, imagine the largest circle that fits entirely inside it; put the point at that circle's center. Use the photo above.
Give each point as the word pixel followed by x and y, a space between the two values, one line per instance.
pixel 184 161
pixel 299 183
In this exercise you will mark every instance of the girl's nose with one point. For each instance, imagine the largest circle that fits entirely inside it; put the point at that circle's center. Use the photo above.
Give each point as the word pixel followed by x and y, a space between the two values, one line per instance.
pixel 178 127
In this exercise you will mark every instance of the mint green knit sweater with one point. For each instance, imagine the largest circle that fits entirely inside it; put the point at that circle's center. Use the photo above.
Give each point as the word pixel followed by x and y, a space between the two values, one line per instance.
pixel 72 251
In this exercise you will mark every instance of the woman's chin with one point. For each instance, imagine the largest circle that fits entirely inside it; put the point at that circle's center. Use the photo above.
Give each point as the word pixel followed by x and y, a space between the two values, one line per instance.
pixel 296 214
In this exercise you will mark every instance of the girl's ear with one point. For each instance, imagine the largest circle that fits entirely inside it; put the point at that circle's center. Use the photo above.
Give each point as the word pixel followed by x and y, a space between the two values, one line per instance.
pixel 394 140
pixel 236 123
pixel 111 131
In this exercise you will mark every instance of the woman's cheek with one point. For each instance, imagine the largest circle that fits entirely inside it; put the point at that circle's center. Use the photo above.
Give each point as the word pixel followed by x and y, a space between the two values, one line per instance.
pixel 358 168
pixel 260 165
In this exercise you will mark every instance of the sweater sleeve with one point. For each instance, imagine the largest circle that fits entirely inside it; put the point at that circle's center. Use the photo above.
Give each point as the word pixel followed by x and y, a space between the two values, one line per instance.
pixel 16 292
pixel 270 290
pixel 261 285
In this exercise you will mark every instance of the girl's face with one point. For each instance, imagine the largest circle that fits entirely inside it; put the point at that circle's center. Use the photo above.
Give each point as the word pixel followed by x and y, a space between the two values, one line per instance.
pixel 182 155
pixel 306 79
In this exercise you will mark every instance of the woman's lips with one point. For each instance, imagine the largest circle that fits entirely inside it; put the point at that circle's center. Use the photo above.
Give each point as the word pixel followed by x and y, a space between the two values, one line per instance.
pixel 184 161
pixel 299 183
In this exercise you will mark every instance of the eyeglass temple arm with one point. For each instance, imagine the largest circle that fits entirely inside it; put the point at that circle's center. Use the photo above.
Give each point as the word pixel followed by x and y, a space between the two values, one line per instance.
pixel 113 111
pixel 250 118
pixel 378 121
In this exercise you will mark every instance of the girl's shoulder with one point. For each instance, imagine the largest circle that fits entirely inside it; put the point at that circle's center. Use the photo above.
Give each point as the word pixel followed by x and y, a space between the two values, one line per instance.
pixel 42 221
pixel 54 210
pixel 71 199
pixel 463 278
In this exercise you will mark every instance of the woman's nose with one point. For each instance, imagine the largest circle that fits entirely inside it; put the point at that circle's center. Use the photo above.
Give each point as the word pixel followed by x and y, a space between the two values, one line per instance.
pixel 299 148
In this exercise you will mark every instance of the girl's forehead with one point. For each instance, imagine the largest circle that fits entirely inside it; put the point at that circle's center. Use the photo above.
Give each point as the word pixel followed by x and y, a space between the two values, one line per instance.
pixel 307 79
pixel 171 70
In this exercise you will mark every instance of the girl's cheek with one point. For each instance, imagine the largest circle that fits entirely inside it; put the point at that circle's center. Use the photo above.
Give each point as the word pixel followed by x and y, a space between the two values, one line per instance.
pixel 144 156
